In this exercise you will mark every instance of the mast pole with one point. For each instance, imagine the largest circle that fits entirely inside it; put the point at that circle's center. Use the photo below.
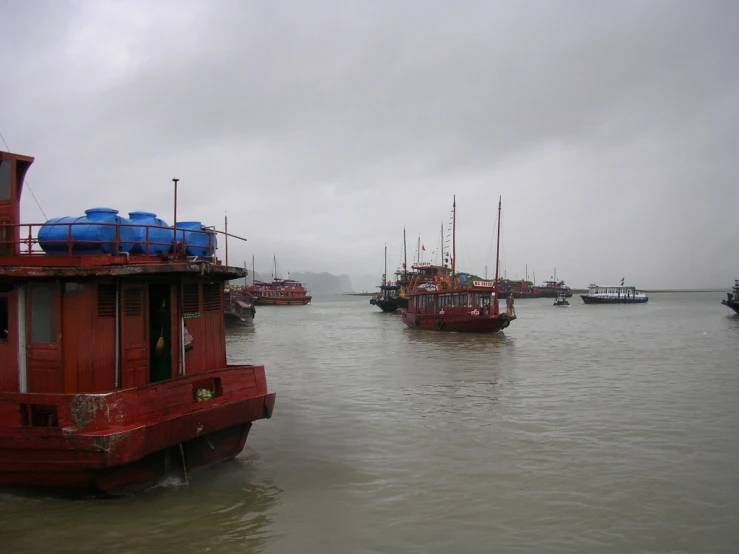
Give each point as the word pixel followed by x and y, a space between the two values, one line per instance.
pixel 454 236
pixel 245 274
pixel 174 246
pixel 226 229
pixel 497 257
pixel 405 259
pixel 384 275
pixel 252 269
pixel 442 243
pixel 418 255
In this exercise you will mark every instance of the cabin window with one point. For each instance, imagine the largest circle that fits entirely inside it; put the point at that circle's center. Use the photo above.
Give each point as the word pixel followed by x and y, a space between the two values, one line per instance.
pixel 4 319
pixel 43 315
pixel 106 300
pixel 5 178
pixel 73 287
pixel 212 297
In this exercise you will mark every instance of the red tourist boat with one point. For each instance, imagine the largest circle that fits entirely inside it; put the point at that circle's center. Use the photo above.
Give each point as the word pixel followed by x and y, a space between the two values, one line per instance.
pixel 113 363
pixel 439 299
pixel 526 289
pixel 279 292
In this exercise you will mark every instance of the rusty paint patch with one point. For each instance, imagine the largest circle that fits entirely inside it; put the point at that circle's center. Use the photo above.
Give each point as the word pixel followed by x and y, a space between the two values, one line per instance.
pixel 84 407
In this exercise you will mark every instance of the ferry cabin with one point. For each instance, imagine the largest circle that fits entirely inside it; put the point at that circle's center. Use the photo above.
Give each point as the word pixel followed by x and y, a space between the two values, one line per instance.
pixel 616 293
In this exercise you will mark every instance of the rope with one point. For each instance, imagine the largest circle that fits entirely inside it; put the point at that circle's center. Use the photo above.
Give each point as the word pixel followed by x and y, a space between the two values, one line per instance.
pixel 26 182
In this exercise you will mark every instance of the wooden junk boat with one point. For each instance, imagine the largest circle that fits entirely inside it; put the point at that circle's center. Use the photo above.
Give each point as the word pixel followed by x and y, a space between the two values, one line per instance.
pixel 732 298
pixel 238 305
pixel 439 299
pixel 279 292
pixel 113 363
pixel 391 296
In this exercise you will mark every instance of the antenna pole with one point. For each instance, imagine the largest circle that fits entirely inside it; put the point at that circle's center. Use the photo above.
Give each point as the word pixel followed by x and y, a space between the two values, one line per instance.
pixel 174 249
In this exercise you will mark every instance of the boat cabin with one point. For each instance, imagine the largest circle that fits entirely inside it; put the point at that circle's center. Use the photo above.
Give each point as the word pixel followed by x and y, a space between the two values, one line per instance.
pixel 434 290
pixel 622 292
pixel 73 321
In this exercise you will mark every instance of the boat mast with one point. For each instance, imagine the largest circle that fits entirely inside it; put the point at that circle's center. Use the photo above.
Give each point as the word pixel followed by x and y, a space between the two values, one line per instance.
pixel 442 243
pixel 174 246
pixel 274 270
pixel 497 257
pixel 384 275
pixel 246 284
pixel 405 259
pixel 454 235
pixel 252 269
pixel 225 225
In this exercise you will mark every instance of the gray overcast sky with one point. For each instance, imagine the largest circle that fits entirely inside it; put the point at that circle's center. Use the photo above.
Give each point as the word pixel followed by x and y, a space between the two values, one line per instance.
pixel 609 128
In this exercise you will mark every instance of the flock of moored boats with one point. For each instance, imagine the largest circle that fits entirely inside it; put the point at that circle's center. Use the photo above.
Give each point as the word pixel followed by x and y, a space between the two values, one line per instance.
pixel 113 368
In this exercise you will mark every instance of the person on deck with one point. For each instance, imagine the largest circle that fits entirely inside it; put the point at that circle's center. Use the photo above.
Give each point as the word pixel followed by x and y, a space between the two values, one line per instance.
pixel 509 305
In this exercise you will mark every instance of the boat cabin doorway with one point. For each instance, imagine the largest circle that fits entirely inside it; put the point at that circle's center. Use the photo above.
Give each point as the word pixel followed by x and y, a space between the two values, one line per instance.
pixel 160 333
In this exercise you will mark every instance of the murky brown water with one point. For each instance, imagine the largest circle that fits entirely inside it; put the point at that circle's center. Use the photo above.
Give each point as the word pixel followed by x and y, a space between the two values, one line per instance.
pixel 582 429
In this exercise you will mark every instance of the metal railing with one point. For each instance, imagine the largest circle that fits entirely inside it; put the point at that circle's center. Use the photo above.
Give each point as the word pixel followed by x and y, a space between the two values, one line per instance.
pixel 27 242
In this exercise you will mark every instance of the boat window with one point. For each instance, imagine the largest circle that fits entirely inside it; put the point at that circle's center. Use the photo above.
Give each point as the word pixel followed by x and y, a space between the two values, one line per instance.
pixel 5 175
pixel 4 319
pixel 43 315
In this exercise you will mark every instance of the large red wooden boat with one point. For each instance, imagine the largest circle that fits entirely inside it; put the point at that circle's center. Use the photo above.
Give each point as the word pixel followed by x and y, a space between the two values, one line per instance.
pixel 526 289
pixel 278 292
pixel 439 299
pixel 113 363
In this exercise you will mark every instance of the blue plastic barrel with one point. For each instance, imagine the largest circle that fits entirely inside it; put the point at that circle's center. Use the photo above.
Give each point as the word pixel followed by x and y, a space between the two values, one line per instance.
pixel 86 236
pixel 199 239
pixel 159 233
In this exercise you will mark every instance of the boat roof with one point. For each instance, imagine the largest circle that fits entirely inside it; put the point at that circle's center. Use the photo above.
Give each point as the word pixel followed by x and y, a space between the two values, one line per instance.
pixel 122 269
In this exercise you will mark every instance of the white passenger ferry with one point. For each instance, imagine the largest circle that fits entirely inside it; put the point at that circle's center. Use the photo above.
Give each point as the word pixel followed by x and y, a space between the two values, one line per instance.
pixel 614 295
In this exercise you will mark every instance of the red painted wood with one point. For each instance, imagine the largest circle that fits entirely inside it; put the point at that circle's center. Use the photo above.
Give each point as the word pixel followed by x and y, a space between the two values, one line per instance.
pixel 134 310
pixel 105 431
pixel 74 429
pixel 9 347
pixel 44 359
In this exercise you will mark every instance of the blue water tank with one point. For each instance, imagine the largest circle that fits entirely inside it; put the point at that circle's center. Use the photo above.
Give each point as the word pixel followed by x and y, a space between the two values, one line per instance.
pixel 199 239
pixel 86 239
pixel 159 233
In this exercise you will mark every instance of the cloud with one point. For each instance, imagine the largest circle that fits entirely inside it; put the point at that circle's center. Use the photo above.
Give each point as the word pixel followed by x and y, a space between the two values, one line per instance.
pixel 325 128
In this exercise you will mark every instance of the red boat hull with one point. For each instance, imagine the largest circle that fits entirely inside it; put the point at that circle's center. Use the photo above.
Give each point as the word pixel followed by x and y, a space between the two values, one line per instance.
pixel 125 441
pixel 458 323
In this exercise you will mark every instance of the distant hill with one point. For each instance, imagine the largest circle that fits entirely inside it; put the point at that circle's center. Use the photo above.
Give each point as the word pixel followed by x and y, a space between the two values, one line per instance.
pixel 317 283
